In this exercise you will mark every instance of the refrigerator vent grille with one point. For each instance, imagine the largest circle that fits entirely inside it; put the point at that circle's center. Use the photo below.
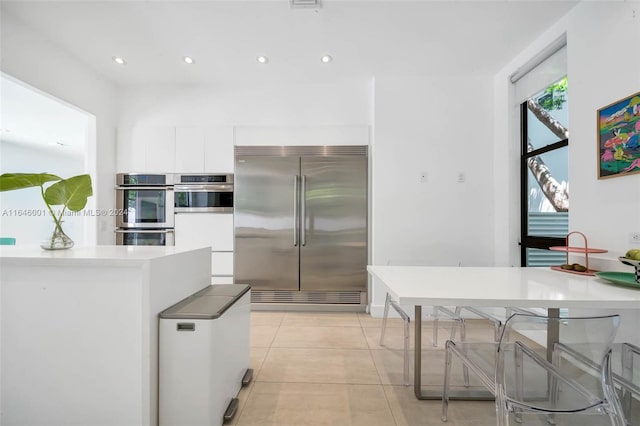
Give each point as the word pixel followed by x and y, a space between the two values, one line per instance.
pixel 307 151
pixel 325 297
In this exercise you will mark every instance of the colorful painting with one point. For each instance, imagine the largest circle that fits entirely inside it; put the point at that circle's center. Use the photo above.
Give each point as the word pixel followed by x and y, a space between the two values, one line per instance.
pixel 618 133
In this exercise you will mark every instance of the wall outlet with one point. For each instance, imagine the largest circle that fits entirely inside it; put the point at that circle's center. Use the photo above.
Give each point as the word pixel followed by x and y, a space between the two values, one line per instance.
pixel 634 237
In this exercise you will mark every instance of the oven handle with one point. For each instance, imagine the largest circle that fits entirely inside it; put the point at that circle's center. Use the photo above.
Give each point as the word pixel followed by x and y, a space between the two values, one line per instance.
pixel 203 188
pixel 133 188
pixel 144 231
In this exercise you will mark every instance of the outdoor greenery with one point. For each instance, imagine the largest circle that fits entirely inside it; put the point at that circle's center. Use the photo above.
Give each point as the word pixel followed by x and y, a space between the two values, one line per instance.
pixel 554 96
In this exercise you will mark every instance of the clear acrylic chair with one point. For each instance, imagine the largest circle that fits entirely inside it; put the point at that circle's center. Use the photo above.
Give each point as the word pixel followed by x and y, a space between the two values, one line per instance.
pixel 494 319
pixel 389 302
pixel 628 378
pixel 526 384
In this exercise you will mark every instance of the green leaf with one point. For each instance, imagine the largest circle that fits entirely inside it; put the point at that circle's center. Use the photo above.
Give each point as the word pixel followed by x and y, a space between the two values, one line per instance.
pixel 12 181
pixel 72 192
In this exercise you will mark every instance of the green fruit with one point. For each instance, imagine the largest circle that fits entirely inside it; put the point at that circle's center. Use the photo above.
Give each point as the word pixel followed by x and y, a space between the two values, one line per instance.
pixel 579 268
pixel 633 254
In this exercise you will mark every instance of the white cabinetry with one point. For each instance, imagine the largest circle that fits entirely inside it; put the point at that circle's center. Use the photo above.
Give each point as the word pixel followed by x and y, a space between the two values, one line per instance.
pixel 218 150
pixel 209 229
pixel 189 150
pixel 146 149
pixel 204 149
pixel 176 149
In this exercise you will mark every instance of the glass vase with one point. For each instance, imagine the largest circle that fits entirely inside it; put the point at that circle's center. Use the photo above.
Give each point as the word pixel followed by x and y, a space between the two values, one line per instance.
pixel 58 240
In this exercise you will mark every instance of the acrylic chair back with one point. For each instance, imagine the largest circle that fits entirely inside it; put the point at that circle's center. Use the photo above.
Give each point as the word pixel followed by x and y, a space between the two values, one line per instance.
pixel 578 378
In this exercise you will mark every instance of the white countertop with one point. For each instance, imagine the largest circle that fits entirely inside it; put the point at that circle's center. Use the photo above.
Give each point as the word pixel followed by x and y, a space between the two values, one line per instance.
pixel 34 255
pixel 501 286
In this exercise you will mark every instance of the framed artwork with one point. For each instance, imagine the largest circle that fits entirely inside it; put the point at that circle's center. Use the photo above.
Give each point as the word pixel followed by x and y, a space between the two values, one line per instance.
pixel 618 134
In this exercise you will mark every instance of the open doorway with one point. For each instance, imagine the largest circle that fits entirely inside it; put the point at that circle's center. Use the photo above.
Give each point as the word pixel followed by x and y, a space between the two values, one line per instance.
pixel 41 133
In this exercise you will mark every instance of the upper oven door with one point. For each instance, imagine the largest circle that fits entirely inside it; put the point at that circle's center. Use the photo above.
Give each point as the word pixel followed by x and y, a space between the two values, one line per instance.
pixel 144 207
pixel 204 198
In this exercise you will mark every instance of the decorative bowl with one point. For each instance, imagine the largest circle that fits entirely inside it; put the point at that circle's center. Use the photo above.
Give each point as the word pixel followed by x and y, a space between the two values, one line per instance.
pixel 634 263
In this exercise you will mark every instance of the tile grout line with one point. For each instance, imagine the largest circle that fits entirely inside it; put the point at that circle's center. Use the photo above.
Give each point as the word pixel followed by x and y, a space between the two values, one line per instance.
pixel 393 416
pixel 255 378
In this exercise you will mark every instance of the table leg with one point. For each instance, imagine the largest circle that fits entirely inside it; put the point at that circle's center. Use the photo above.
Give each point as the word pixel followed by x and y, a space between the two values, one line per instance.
pixel 417 363
pixel 553 331
pixel 465 395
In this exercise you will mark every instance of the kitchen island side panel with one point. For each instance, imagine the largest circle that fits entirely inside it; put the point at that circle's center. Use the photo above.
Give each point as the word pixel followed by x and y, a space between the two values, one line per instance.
pixel 79 337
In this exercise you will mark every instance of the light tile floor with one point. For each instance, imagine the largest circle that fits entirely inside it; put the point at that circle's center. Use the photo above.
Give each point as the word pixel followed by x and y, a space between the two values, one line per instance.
pixel 329 369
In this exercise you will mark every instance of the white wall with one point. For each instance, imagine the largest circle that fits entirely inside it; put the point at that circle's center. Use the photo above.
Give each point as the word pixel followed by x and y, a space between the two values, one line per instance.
pixel 603 66
pixel 442 126
pixel 606 210
pixel 275 103
pixel 598 34
pixel 34 60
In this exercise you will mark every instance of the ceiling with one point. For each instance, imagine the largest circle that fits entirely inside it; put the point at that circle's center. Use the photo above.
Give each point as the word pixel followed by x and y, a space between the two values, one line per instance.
pixel 365 38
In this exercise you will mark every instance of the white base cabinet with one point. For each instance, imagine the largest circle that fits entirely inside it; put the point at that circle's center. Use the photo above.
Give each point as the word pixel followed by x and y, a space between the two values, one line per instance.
pixel 209 229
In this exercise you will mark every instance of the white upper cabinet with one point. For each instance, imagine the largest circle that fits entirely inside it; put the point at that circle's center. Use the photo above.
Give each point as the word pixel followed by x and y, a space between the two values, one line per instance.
pixel 146 149
pixel 181 149
pixel 204 149
pixel 161 148
pixel 131 152
pixel 218 149
pixel 189 149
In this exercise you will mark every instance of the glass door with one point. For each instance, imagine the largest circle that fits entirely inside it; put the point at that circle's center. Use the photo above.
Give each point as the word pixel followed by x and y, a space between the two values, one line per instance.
pixel 145 207
pixel 544 175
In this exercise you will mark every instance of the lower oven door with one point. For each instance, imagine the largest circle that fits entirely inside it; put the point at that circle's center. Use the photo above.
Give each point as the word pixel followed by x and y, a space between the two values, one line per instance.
pixel 145 237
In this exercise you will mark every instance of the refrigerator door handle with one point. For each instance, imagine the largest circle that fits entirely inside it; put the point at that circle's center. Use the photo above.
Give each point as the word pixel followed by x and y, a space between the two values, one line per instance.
pixel 296 219
pixel 303 213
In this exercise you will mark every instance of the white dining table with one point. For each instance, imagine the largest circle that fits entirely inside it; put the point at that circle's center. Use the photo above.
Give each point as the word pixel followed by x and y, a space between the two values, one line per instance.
pixel 495 287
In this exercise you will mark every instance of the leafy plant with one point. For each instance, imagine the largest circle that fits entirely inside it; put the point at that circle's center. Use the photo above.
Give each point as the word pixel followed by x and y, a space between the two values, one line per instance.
pixel 555 95
pixel 71 193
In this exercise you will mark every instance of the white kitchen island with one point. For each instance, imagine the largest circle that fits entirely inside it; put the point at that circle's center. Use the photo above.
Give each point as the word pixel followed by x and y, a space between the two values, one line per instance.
pixel 79 330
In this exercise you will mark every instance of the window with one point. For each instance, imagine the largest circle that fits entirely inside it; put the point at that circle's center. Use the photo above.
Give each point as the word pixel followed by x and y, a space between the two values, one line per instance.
pixel 544 175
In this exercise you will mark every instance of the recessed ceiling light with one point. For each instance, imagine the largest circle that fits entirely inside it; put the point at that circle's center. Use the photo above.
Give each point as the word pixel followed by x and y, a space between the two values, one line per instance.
pixel 262 59
pixel 188 59
pixel 118 60
pixel 326 59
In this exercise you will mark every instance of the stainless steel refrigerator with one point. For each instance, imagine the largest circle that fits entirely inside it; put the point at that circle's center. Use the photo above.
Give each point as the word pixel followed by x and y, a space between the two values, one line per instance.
pixel 301 223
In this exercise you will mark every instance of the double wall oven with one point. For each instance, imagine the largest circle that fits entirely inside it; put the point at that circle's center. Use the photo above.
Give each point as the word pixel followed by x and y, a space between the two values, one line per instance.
pixel 147 203
pixel 145 206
